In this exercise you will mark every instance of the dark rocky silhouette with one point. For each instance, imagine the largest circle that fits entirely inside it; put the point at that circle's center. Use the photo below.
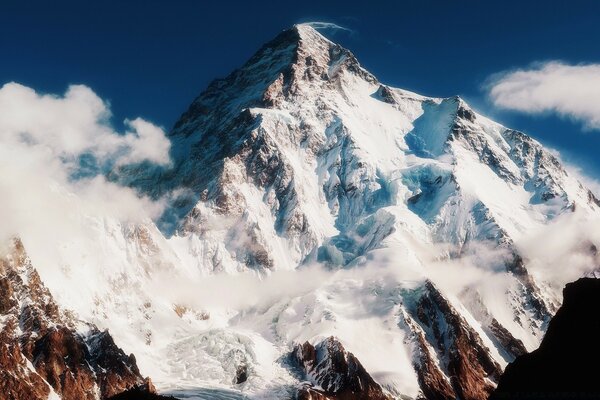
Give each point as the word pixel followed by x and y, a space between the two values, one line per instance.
pixel 143 391
pixel 567 363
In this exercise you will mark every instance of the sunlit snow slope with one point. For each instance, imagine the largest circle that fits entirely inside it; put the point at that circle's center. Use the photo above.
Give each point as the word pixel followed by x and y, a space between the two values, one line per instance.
pixel 309 200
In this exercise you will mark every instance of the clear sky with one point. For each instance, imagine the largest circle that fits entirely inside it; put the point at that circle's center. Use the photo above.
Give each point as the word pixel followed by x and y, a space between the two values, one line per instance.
pixel 151 58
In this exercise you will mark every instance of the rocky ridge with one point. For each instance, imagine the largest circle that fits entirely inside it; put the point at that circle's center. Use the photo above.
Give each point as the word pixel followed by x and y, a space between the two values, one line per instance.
pixel 334 374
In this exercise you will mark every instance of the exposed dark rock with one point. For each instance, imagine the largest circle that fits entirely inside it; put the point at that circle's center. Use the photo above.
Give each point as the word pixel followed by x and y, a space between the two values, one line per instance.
pixel 536 304
pixel 16 379
pixel 566 364
pixel 464 113
pixel 307 392
pixel 337 371
pixel 513 346
pixel 593 199
pixel 144 391
pixel 385 94
pixel 241 374
pixel 434 384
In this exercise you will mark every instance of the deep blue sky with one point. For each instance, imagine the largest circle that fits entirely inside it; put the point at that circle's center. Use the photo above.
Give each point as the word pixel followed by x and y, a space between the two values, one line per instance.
pixel 151 58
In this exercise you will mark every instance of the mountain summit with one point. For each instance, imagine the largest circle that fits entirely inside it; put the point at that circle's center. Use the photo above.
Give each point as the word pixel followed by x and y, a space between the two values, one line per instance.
pixel 320 222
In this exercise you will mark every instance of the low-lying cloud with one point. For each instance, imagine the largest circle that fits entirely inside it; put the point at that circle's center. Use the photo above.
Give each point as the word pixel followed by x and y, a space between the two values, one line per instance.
pixel 44 139
pixel 571 91
pixel 564 250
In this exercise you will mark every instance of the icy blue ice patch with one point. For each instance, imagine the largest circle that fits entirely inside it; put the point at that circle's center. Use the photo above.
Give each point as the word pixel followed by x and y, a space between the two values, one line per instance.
pixel 431 185
pixel 431 129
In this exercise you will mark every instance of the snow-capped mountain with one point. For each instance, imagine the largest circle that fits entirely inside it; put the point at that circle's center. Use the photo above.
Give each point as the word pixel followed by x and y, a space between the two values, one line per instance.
pixel 307 200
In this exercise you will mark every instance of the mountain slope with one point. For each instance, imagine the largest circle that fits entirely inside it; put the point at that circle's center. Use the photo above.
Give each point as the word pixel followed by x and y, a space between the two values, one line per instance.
pixel 45 352
pixel 307 200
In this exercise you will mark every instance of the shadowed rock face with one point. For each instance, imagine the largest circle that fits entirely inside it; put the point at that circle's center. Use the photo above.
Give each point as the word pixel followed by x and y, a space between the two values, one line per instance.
pixel 41 351
pixel 513 346
pixel 337 372
pixel 566 365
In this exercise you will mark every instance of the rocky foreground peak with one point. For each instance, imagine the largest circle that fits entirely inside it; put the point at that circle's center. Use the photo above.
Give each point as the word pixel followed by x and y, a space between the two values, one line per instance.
pixel 566 363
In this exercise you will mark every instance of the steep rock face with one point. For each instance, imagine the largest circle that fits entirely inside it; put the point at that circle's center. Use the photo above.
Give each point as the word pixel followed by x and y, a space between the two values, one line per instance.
pixel 464 360
pixel 337 373
pixel 433 381
pixel 512 345
pixel 565 364
pixel 42 349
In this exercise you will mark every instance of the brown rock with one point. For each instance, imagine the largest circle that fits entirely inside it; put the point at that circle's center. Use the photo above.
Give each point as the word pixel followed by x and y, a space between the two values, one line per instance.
pixel 512 345
pixel 466 361
pixel 337 371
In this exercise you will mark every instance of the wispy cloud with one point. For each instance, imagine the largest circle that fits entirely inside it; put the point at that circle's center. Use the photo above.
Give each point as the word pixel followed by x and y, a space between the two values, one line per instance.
pixel 568 90
pixel 327 26
pixel 577 171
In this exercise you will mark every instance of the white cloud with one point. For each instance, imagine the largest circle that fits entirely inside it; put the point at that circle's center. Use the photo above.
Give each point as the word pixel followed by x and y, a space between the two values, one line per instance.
pixel 42 139
pixel 74 124
pixel 146 141
pixel 562 251
pixel 568 90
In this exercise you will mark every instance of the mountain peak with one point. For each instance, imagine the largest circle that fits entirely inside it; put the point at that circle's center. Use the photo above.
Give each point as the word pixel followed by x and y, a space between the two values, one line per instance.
pixel 308 34
pixel 306 48
pixel 295 60
pixel 301 158
pixel 299 36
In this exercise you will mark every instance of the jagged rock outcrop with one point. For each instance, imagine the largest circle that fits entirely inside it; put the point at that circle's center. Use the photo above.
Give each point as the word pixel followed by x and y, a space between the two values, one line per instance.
pixel 513 346
pixel 334 373
pixel 465 368
pixel 566 363
pixel 44 350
